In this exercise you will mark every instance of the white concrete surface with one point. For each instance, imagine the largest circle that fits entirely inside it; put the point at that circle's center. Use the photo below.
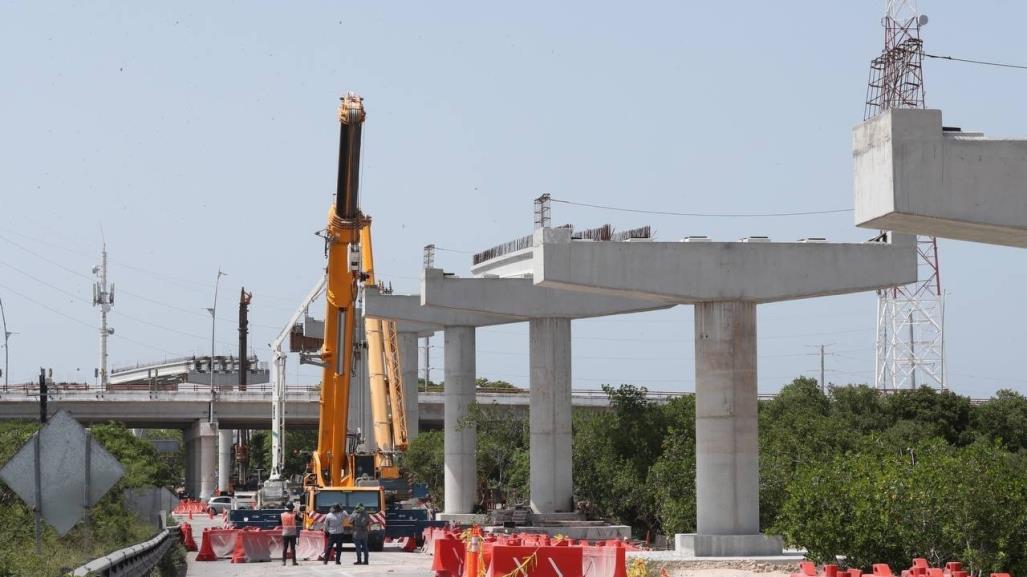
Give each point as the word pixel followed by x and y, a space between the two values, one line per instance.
pixel 201 458
pixel 408 356
pixel 913 177
pixel 691 545
pixel 551 481
pixel 224 459
pixel 459 439
pixel 727 449
pixel 686 273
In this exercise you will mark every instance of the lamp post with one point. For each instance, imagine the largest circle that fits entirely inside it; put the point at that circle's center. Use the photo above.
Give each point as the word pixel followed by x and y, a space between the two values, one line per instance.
pixel 213 325
pixel 7 335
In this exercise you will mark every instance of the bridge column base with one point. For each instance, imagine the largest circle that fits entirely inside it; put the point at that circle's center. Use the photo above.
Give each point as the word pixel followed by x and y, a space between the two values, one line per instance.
pixel 201 459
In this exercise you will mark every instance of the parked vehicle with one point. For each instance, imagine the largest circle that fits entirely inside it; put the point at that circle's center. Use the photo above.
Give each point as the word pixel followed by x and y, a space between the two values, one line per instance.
pixel 217 505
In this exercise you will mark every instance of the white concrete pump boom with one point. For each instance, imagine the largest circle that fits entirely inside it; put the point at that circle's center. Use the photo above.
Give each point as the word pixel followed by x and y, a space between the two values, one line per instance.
pixel 278 357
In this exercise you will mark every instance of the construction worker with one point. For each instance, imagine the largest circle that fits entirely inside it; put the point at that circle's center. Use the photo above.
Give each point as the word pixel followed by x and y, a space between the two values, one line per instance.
pixel 290 532
pixel 334 521
pixel 360 522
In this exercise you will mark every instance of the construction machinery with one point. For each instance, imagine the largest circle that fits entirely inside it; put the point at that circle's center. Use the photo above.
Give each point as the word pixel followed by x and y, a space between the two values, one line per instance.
pixel 331 478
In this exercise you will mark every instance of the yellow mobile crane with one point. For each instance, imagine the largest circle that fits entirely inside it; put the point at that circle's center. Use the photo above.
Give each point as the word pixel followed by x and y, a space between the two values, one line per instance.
pixel 332 475
pixel 387 409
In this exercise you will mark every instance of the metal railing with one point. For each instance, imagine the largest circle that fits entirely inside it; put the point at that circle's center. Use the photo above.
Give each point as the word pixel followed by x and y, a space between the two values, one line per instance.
pixel 134 561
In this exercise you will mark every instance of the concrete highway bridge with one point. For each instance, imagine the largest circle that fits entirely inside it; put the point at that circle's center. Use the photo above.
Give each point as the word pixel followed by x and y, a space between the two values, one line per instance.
pixel 249 409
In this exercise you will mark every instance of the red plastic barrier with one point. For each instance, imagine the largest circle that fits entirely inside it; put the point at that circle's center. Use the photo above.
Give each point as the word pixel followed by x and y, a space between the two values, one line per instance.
pixel 206 549
pixel 882 570
pixel 953 566
pixel 222 541
pixel 408 544
pixel 538 561
pixel 449 558
pixel 186 532
pixel 603 562
pixel 310 545
pixel 255 546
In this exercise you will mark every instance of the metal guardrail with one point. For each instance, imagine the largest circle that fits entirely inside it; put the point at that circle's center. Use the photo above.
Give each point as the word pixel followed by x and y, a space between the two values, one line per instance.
pixel 135 561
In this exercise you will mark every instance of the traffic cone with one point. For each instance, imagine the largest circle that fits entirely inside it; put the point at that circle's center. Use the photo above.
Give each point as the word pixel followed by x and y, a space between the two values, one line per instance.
pixel 471 558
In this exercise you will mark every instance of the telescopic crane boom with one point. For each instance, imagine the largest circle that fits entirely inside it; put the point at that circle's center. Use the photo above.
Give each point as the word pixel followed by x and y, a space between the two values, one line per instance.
pixel 330 462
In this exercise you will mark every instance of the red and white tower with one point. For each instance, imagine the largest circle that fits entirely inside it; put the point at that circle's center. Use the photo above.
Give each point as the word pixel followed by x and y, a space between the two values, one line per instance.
pixel 910 318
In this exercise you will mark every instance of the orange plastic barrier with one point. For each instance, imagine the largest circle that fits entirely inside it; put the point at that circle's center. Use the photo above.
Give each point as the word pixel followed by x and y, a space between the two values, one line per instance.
pixel 449 558
pixel 206 550
pixel 186 532
pixel 536 561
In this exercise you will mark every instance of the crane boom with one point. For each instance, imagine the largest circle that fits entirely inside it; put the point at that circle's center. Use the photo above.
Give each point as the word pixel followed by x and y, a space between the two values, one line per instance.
pixel 330 461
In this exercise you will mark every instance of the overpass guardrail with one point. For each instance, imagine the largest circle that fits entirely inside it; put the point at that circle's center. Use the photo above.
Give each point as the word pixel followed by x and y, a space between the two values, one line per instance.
pixel 134 561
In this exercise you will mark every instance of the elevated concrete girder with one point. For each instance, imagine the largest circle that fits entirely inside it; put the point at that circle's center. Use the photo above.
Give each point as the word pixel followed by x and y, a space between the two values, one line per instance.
pixel 551 311
pixel 913 176
pixel 688 273
pixel 519 297
pixel 408 308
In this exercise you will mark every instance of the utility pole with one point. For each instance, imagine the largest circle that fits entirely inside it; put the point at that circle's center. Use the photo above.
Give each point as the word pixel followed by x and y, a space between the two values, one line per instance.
pixel 213 325
pixel 244 329
pixel 7 335
pixel 103 297
pixel 823 383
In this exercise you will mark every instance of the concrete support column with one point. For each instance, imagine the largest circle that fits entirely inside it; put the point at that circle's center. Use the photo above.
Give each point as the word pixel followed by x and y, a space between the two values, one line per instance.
pixel 727 450
pixel 224 458
pixel 408 366
pixel 201 458
pixel 460 442
pixel 551 477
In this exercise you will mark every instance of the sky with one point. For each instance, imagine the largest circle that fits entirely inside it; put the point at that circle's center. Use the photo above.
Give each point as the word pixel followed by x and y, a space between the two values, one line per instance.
pixel 198 136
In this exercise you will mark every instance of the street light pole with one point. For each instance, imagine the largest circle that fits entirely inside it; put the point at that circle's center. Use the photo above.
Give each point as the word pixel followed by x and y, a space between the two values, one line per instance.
pixel 7 335
pixel 213 325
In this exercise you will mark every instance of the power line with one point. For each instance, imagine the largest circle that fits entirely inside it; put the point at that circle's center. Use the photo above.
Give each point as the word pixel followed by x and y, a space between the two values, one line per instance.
pixel 981 62
pixel 703 214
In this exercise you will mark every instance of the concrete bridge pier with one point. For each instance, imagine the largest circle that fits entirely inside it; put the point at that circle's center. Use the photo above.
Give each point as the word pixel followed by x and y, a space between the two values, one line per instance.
pixel 551 478
pixel 201 459
pixel 224 459
pixel 408 366
pixel 461 440
pixel 727 449
pixel 725 281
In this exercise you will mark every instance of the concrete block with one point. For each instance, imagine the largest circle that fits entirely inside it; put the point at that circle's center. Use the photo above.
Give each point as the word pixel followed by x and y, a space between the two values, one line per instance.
pixel 911 175
pixel 693 545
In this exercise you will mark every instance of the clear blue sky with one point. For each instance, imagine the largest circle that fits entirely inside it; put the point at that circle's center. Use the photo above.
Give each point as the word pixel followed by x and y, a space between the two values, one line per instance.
pixel 203 135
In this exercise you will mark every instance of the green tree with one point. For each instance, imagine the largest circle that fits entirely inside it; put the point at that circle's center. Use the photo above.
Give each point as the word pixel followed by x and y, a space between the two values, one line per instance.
pixel 424 463
pixel 1003 418
pixel 672 477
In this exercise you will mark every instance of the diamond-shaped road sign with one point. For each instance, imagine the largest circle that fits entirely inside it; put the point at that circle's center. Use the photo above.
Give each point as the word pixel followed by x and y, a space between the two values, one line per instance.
pixel 63 455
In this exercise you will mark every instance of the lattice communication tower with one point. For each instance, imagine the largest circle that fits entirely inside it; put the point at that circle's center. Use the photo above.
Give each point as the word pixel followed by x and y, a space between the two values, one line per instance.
pixel 910 349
